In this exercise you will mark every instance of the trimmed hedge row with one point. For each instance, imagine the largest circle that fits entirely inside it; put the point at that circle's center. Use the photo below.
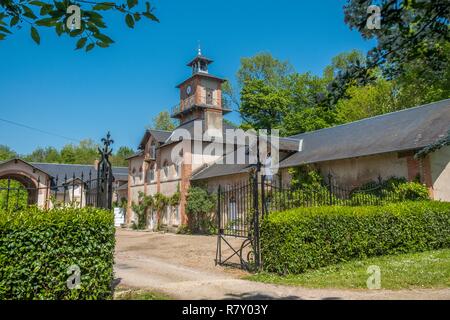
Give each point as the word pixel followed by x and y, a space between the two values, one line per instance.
pixel 308 238
pixel 38 247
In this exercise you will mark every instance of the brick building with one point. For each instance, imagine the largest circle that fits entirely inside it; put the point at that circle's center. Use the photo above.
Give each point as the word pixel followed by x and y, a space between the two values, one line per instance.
pixel 354 153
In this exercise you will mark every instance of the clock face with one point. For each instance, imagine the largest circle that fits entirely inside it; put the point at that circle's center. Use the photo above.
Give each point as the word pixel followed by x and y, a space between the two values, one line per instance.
pixel 188 90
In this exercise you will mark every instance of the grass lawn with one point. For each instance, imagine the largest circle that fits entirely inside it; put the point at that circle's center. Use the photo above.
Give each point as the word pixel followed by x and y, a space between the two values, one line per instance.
pixel 140 295
pixel 429 269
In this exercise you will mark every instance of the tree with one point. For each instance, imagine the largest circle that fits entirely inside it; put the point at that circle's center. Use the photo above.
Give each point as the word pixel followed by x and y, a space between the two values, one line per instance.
pixel 47 155
pixel 262 66
pixel 6 153
pixel 420 85
pixel 15 14
pixel 304 113
pixel 411 32
pixel 262 105
pixel 84 153
pixel 342 62
pixel 367 101
pixel 163 121
pixel 119 158
pixel 417 85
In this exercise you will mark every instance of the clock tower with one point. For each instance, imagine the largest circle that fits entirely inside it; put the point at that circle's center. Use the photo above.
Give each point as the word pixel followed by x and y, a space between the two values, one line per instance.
pixel 201 97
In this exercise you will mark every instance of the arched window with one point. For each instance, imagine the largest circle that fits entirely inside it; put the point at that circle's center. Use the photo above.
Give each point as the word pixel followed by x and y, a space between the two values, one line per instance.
pixel 153 150
pixel 177 169
pixel 151 173
pixel 166 169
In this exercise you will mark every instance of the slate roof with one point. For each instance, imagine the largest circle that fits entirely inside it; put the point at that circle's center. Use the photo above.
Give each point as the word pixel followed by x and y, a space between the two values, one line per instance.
pixel 160 135
pixel 403 130
pixel 123 187
pixel 137 154
pixel 218 170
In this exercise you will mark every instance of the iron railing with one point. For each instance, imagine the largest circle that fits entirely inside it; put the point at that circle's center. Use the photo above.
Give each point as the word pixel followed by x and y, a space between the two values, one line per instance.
pixel 242 206
pixel 92 189
pixel 236 203
pixel 201 101
pixel 77 191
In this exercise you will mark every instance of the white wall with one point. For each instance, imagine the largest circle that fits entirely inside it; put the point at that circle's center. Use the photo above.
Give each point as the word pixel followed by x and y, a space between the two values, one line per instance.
pixel 356 171
pixel 440 173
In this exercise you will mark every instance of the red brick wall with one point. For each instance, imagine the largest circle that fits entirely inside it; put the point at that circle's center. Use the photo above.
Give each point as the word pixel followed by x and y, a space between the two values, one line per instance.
pixel 421 167
pixel 186 172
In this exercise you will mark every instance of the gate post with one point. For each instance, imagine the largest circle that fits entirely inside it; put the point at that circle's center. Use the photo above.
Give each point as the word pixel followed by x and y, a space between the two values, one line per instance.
pixel 219 230
pixel 256 219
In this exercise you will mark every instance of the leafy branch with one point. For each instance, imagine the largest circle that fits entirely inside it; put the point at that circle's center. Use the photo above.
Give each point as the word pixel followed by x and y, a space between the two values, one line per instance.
pixel 15 13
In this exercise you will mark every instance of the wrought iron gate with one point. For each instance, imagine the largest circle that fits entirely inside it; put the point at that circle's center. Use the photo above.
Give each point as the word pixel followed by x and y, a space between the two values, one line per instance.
pixel 239 212
pixel 242 207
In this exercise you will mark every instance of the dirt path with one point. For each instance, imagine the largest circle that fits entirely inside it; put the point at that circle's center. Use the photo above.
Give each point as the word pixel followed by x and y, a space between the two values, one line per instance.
pixel 183 267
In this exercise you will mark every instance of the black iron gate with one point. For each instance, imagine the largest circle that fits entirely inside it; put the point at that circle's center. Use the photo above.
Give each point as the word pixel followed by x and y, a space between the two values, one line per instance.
pixel 242 207
pixel 239 211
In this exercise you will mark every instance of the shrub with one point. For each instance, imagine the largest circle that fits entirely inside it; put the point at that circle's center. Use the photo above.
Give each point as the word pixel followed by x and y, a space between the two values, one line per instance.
pixel 392 189
pixel 145 203
pixel 412 191
pixel 200 208
pixel 37 247
pixel 16 197
pixel 308 238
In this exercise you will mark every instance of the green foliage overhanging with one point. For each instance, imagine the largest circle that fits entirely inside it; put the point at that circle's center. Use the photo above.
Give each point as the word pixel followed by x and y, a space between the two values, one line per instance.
pixel 16 14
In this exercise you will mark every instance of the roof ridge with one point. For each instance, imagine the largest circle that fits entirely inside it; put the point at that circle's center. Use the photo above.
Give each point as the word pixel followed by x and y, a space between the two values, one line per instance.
pixel 295 136
pixel 150 129
pixel 69 164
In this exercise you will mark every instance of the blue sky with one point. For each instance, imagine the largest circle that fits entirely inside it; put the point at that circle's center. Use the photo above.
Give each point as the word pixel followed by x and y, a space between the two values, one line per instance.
pixel 55 88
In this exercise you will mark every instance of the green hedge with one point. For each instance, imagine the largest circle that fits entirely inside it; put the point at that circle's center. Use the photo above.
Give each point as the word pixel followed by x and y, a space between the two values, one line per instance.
pixel 37 247
pixel 308 238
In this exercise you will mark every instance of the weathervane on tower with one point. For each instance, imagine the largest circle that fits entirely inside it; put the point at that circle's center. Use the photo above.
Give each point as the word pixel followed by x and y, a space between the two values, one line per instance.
pixel 199 48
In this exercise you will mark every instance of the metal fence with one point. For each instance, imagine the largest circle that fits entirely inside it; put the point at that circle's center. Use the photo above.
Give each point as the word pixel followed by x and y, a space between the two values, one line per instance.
pixel 95 189
pixel 74 191
pixel 241 207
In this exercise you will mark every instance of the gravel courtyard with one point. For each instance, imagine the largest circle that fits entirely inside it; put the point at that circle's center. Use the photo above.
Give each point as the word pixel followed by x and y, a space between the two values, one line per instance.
pixel 182 266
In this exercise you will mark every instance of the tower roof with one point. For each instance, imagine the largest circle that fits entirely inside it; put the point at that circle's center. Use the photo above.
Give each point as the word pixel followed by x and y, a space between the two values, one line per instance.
pixel 199 58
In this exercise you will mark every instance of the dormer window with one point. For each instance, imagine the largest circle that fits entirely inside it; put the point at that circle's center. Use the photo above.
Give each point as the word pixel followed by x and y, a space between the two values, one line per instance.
pixel 153 150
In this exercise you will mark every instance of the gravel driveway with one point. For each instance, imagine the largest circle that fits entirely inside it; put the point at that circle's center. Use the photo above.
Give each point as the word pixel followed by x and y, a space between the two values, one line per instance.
pixel 182 266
